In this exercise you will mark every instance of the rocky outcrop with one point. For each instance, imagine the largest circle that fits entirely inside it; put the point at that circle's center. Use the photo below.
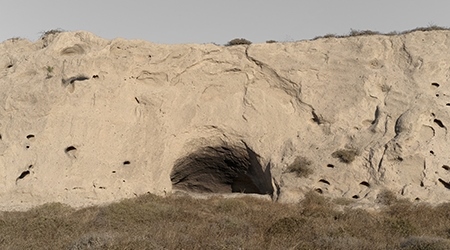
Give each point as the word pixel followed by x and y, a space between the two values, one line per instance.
pixel 84 120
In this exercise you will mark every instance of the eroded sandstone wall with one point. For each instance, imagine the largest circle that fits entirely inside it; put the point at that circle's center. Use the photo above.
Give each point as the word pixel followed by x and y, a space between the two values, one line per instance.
pixel 85 120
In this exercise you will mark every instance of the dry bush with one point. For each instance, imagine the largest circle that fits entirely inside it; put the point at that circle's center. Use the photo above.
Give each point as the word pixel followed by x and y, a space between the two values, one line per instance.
pixel 424 29
pixel 386 197
pixel 271 41
pixel 238 41
pixel 301 166
pixel 345 155
pixel 363 33
pixel 51 32
pixel 326 36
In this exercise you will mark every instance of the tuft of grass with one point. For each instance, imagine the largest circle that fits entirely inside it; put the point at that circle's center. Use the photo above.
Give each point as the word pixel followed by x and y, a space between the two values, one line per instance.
pixel 425 29
pixel 386 88
pixel 392 33
pixel 49 70
pixel 326 36
pixel 301 166
pixel 47 33
pixel 238 41
pixel 345 155
pixel 14 39
pixel 271 41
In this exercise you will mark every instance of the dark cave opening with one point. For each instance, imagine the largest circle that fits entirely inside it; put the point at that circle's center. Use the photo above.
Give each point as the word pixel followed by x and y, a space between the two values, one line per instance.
pixel 222 169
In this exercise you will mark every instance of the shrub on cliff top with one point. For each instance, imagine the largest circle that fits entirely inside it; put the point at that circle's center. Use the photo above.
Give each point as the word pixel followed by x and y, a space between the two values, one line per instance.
pixel 238 41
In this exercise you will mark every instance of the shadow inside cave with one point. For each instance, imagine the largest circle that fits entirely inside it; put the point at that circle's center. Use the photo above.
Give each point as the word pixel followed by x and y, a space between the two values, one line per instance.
pixel 222 169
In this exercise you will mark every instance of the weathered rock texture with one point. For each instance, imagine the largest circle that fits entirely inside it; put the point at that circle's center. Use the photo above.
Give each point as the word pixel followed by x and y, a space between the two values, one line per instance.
pixel 85 120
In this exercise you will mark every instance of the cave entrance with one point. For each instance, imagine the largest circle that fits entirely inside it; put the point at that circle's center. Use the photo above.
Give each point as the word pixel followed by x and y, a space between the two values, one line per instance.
pixel 222 169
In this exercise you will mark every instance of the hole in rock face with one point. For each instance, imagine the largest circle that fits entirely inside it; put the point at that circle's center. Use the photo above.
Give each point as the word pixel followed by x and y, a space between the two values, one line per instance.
pixel 435 84
pixel 355 196
pixel 318 190
pixel 126 163
pixel 23 174
pixel 70 148
pixel 222 169
pixel 330 165
pixel 439 123
pixel 446 184
pixel 30 136
pixel 365 183
pixel 446 167
pixel 324 181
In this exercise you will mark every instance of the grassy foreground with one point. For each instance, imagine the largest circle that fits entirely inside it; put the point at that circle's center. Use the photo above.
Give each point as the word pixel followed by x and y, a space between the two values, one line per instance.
pixel 151 222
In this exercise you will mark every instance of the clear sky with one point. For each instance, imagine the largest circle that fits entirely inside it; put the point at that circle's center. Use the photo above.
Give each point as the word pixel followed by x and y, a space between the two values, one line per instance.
pixel 206 21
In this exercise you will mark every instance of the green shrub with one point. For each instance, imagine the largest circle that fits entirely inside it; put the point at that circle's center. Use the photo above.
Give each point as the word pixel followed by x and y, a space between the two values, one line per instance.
pixel 300 166
pixel 238 41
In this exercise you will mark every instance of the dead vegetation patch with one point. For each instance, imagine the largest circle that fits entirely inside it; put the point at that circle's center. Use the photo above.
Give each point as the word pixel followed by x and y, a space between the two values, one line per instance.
pixel 152 222
pixel 345 155
pixel 356 33
pixel 238 41
pixel 301 167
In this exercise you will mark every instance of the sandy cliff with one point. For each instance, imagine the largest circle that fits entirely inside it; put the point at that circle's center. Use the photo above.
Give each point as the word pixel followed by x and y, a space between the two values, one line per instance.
pixel 84 120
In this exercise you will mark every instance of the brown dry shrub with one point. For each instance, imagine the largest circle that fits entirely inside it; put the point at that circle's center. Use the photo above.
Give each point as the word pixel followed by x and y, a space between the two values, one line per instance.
pixel 238 41
pixel 345 155
pixel 363 32
pixel 301 167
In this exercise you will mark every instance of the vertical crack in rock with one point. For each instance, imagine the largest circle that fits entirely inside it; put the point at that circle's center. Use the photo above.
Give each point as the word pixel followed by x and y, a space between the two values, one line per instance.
pixel 407 54
pixel 288 86
pixel 222 169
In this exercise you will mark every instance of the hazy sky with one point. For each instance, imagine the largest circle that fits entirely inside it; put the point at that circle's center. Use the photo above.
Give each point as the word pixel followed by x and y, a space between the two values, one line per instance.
pixel 205 21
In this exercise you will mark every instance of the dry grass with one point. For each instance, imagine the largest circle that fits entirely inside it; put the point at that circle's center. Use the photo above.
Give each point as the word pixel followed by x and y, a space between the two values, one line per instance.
pixel 151 222
pixel 353 32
